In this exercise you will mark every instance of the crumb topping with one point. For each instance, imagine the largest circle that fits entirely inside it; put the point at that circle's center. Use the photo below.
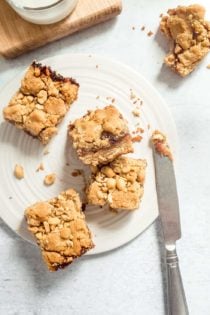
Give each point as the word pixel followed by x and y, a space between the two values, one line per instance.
pixel 60 229
pixel 190 34
pixel 41 102
pixel 100 136
pixel 120 184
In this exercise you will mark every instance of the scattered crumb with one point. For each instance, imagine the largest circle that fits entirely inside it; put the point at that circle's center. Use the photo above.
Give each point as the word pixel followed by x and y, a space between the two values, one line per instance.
pixel 133 28
pixel 10 197
pixel 161 15
pixel 97 97
pixel 160 143
pixel 97 66
pixel 113 100
pixel 76 173
pixel 49 179
pixel 148 126
pixel 143 28
pixel 46 151
pixel 208 66
pixel 141 130
pixel 150 33
pixel 132 94
pixel 89 56
pixel 136 112
pixel 19 171
pixel 137 138
pixel 141 103
pixel 67 164
pixel 40 167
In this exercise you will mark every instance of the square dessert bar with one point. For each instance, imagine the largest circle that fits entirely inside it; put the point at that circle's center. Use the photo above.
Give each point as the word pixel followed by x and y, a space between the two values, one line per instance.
pixel 100 136
pixel 60 229
pixel 119 184
pixel 41 102
pixel 190 34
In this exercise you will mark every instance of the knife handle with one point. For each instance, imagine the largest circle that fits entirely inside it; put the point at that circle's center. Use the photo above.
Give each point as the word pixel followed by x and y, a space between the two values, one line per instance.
pixel 177 304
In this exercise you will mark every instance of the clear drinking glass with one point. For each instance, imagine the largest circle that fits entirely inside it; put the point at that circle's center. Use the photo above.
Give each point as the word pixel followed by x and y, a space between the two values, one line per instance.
pixel 43 11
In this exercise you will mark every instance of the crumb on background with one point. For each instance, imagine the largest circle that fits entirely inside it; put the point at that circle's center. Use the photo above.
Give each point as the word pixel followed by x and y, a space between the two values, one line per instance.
pixel 143 28
pixel 137 138
pixel 136 112
pixel 19 171
pixel 208 66
pixel 46 151
pixel 76 173
pixel 49 179
pixel 40 167
pixel 150 33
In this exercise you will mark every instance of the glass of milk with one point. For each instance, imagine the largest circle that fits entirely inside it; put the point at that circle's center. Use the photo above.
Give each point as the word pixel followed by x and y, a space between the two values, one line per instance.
pixel 43 11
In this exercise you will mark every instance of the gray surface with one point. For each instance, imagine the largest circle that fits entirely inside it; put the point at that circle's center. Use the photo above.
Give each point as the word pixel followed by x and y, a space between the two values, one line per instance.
pixel 128 280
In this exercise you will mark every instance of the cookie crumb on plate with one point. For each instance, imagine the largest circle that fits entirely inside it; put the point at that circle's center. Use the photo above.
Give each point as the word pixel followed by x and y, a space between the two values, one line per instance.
pixel 50 179
pixel 19 171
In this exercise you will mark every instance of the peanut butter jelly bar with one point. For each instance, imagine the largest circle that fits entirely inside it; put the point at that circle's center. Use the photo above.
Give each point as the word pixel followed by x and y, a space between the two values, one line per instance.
pixel 119 184
pixel 60 229
pixel 190 35
pixel 41 102
pixel 100 136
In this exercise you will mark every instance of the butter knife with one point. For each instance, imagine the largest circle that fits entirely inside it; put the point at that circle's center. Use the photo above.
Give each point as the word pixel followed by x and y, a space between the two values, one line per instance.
pixel 169 216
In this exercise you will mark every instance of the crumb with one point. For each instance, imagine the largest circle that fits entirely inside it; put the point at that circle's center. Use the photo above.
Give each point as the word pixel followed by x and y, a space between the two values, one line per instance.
pixel 160 143
pixel 137 138
pixel 136 112
pixel 132 94
pixel 113 100
pixel 89 56
pixel 67 164
pixel 141 130
pixel 19 171
pixel 143 28
pixel 49 179
pixel 10 197
pixel 148 126
pixel 208 66
pixel 97 97
pixel 141 103
pixel 76 173
pixel 150 33
pixel 96 66
pixel 46 152
pixel 161 15
pixel 133 28
pixel 40 167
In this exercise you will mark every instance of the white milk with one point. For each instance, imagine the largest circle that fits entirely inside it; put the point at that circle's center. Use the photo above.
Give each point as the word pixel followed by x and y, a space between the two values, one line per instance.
pixel 39 15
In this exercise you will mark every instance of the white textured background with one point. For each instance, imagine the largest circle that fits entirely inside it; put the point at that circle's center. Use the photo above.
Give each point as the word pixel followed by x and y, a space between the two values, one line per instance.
pixel 127 281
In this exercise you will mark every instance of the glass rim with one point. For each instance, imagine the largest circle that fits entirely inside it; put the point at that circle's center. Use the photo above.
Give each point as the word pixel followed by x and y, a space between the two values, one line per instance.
pixel 19 6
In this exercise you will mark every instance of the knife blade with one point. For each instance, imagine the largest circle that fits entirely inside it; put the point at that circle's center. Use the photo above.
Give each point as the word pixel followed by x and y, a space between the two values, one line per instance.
pixel 167 198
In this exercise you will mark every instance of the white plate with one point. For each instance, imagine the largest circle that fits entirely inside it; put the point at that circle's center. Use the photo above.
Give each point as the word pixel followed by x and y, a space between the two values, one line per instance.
pixel 97 77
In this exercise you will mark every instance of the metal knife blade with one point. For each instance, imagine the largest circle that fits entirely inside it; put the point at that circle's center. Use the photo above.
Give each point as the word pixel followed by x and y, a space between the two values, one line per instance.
pixel 167 198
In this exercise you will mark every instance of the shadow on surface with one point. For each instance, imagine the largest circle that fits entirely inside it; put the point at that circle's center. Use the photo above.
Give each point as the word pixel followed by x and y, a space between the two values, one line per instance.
pixel 166 75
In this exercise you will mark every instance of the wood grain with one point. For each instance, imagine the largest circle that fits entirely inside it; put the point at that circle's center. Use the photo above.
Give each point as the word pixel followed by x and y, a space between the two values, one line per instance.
pixel 18 36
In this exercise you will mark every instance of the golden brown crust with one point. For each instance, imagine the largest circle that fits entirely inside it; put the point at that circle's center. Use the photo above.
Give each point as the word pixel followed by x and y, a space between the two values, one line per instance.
pixel 160 143
pixel 120 184
pixel 41 102
pixel 190 34
pixel 60 229
pixel 101 136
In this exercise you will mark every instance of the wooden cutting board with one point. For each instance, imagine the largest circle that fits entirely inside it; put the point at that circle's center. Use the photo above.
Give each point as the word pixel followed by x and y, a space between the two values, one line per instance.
pixel 18 36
